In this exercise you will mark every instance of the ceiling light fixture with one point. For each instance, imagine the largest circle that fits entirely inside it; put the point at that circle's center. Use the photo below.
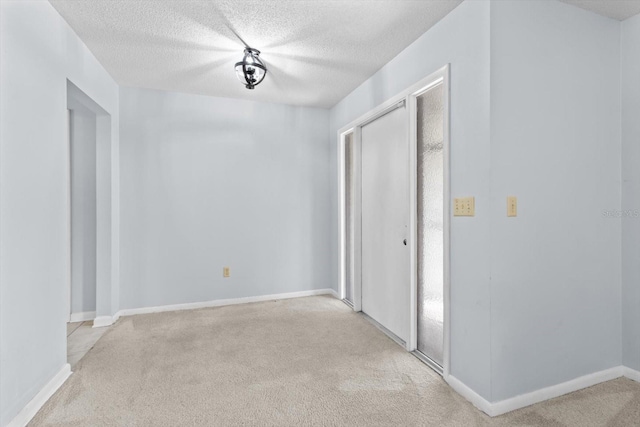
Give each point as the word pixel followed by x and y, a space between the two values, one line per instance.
pixel 251 70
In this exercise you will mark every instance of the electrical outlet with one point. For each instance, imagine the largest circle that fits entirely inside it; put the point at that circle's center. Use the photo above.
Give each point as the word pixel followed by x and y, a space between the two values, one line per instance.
pixel 464 206
pixel 226 272
pixel 512 206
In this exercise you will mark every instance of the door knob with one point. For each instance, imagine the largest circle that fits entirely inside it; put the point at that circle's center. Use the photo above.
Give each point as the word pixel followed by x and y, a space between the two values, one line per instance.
pixel 405 242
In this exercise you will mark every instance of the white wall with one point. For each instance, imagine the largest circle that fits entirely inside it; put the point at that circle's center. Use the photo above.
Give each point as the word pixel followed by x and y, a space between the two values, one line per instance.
pixel 461 39
pixel 555 143
pixel 83 211
pixel 213 182
pixel 39 53
pixel 630 86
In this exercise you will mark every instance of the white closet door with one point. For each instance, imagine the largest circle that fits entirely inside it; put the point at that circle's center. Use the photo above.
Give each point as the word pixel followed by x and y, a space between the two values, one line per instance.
pixel 385 219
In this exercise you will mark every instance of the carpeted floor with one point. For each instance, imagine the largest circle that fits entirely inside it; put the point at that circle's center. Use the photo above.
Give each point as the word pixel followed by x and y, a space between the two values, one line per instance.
pixel 307 361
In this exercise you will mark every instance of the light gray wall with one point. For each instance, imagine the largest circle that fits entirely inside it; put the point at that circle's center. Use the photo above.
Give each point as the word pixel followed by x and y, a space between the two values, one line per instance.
pixel 631 192
pixel 39 53
pixel 213 182
pixel 83 211
pixel 461 39
pixel 555 144
pixel 535 299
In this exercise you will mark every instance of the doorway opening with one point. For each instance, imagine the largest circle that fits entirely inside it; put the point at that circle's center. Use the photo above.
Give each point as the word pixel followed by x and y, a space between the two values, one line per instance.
pixel 82 161
pixel 89 213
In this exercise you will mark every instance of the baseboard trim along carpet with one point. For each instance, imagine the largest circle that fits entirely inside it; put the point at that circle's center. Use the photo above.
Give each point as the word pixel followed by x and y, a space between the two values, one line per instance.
pixel 103 321
pixel 553 391
pixel 223 302
pixel 494 409
pixel 32 408
pixel 82 317
pixel 463 390
pixel 632 374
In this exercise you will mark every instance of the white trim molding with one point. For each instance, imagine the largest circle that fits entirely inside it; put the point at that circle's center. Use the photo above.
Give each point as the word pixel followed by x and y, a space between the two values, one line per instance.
pixel 224 302
pixel 31 409
pixel 463 390
pixel 82 317
pixel 494 409
pixel 102 321
pixel 517 402
pixel 632 374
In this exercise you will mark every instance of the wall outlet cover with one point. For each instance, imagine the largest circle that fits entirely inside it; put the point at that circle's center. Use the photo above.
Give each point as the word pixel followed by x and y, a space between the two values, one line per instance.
pixel 512 206
pixel 464 206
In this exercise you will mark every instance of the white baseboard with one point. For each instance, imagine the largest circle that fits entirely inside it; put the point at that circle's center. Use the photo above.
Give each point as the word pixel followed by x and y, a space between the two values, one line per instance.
pixel 223 302
pixel 494 409
pixel 463 390
pixel 31 409
pixel 334 293
pixel 102 321
pixel 553 391
pixel 632 374
pixel 82 317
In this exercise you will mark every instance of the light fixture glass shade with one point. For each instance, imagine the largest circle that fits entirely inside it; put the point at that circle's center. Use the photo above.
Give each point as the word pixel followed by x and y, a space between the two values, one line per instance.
pixel 251 70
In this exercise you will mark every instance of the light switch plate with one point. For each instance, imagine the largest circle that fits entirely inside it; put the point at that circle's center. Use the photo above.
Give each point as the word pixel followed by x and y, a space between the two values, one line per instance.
pixel 226 272
pixel 464 206
pixel 512 206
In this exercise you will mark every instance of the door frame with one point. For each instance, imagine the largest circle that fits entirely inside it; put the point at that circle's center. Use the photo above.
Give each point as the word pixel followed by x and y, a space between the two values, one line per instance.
pixel 107 216
pixel 68 204
pixel 409 95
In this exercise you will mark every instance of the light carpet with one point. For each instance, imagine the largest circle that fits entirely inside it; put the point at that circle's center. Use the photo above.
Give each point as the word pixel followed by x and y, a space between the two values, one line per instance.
pixel 306 361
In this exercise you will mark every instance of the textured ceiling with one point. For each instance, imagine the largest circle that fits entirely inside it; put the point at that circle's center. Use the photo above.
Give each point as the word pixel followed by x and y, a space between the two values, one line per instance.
pixel 316 51
pixel 616 9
